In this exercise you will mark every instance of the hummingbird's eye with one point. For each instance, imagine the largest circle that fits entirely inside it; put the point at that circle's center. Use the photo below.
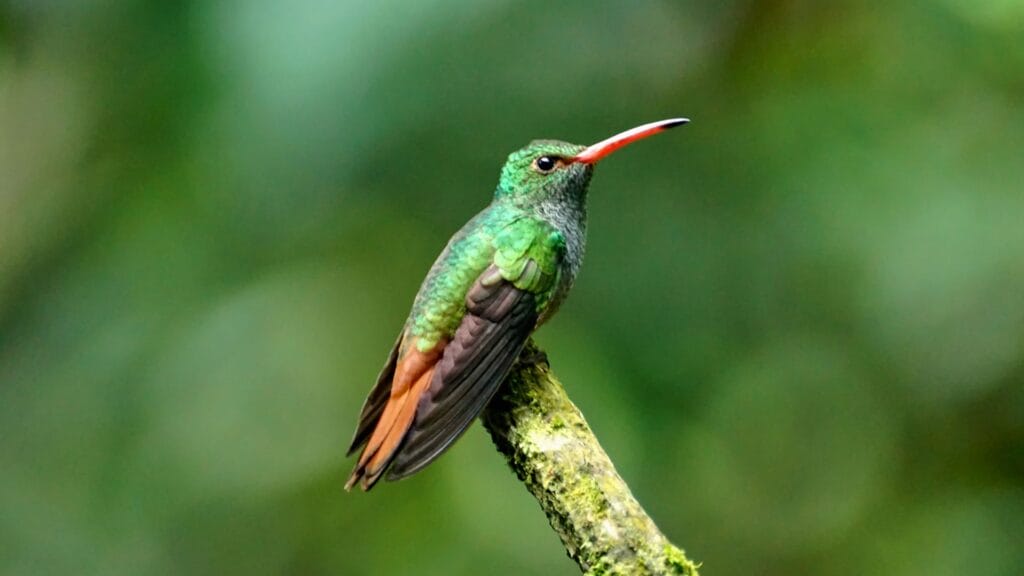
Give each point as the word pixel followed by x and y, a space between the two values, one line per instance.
pixel 545 164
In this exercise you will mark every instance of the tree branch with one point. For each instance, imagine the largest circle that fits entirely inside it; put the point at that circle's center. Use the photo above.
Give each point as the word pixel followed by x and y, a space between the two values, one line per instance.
pixel 550 447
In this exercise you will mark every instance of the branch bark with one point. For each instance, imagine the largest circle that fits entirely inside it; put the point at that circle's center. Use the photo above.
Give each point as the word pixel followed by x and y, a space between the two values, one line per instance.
pixel 552 450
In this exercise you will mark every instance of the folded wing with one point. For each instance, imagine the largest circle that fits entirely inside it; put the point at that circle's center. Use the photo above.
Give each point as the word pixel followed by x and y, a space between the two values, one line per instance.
pixel 499 319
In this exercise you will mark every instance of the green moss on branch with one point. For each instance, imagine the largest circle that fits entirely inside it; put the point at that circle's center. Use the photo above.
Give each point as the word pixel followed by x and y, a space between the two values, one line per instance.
pixel 550 447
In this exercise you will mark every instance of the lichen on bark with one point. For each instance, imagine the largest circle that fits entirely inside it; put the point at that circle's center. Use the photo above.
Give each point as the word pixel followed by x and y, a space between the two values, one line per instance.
pixel 550 447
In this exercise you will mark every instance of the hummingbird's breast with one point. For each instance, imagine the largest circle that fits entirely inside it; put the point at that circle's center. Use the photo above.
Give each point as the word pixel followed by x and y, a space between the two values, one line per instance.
pixel 569 217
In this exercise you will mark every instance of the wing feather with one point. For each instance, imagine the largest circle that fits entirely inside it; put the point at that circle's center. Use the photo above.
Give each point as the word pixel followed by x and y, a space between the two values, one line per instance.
pixel 498 321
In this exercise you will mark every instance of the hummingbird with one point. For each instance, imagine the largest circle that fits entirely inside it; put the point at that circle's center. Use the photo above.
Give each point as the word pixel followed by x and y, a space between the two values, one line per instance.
pixel 498 279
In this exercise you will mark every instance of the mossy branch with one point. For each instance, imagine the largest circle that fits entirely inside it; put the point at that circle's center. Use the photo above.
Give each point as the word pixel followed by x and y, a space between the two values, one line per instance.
pixel 550 447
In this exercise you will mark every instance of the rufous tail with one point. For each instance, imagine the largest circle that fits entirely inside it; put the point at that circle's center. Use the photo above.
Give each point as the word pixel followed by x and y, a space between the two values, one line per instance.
pixel 412 378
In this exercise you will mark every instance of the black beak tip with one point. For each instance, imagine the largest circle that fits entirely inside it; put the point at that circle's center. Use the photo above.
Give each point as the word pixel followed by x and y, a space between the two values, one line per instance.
pixel 677 122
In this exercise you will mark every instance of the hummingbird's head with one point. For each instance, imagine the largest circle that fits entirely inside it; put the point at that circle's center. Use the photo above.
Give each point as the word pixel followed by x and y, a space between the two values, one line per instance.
pixel 543 169
pixel 551 169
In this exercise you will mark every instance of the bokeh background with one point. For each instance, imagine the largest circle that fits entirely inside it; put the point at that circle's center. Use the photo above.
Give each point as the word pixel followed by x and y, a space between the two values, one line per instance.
pixel 799 331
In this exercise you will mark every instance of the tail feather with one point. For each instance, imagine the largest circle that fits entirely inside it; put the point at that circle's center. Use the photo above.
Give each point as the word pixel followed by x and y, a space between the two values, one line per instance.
pixel 391 431
pixel 373 407
pixel 412 378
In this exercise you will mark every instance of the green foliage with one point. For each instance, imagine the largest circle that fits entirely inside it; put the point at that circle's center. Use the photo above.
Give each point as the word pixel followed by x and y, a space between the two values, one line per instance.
pixel 799 330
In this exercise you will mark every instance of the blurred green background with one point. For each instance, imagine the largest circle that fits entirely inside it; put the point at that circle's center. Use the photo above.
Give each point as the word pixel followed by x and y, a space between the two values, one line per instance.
pixel 799 331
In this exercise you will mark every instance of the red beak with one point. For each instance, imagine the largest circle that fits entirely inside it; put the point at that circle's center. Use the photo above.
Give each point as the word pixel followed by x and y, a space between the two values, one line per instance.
pixel 605 147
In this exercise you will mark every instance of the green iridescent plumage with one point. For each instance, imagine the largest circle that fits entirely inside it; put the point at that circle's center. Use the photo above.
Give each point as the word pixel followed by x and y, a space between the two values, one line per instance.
pixel 523 224
pixel 500 277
